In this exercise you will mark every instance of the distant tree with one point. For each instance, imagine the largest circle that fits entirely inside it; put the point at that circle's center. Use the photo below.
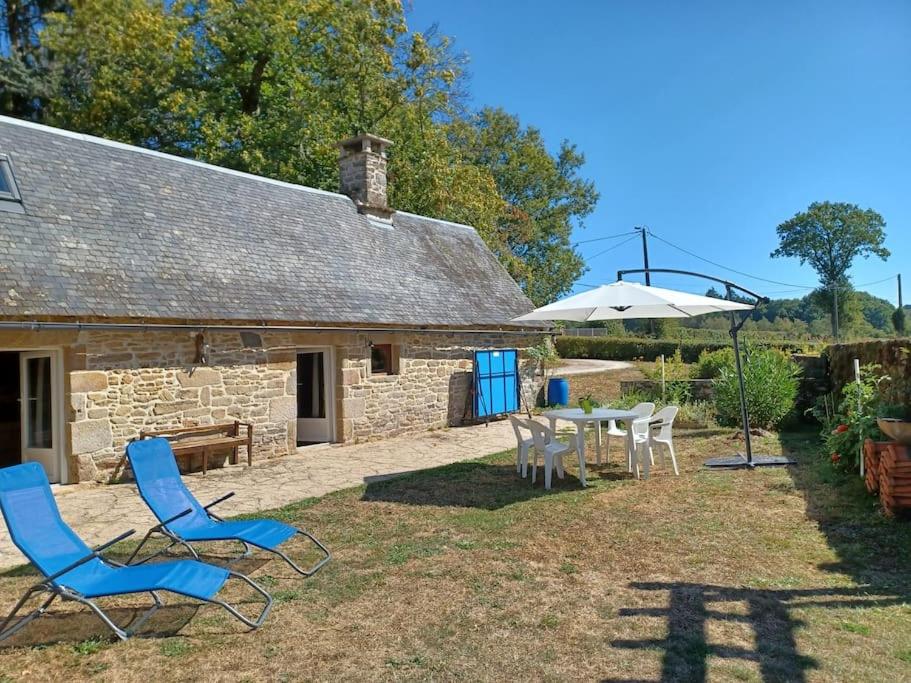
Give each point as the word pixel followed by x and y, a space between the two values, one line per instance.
pixel 829 236
pixel 665 328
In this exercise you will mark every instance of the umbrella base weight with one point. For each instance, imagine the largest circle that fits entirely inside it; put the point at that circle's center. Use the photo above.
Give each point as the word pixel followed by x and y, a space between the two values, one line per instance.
pixel 739 461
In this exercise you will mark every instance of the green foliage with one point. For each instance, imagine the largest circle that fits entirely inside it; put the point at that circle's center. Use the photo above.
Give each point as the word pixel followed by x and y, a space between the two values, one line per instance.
pixel 710 363
pixel 771 381
pixel 853 421
pixel 674 368
pixel 588 402
pixel 898 320
pixel 829 236
pixel 270 87
pixel 632 348
pixel 24 61
pixel 545 355
pixel 545 197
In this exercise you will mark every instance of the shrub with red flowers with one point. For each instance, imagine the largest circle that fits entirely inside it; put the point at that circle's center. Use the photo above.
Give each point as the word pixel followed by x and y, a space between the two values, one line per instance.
pixel 854 420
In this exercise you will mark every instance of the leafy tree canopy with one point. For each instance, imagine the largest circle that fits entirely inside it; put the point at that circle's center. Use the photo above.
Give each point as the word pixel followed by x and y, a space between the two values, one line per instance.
pixel 829 236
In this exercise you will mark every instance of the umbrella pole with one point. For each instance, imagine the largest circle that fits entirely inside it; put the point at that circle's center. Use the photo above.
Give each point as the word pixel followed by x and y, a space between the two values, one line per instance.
pixel 744 413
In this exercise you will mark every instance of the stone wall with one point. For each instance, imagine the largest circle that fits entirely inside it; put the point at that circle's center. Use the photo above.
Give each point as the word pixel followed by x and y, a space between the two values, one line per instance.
pixel 117 383
pixel 124 382
pixel 430 390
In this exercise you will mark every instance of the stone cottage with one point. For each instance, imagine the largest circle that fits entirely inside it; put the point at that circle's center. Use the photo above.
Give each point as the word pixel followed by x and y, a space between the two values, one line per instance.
pixel 142 291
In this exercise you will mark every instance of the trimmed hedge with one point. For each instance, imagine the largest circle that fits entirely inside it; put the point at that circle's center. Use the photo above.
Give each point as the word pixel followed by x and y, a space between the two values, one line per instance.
pixel 632 348
pixel 892 355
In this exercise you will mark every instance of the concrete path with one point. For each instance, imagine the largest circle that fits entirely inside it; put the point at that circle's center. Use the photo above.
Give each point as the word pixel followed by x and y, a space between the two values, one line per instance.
pixel 99 512
pixel 585 366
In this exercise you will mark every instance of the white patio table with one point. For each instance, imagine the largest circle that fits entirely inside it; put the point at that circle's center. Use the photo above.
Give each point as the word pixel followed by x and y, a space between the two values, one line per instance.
pixel 581 418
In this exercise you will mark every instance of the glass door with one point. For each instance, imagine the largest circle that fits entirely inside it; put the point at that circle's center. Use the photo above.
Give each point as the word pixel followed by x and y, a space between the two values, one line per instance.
pixel 38 393
pixel 314 397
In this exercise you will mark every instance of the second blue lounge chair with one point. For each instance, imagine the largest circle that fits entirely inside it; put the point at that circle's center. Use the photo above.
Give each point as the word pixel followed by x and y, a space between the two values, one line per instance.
pixel 73 571
pixel 163 490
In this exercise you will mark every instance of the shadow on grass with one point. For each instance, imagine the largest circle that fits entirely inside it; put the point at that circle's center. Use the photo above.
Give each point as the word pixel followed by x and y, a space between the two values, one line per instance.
pixel 767 614
pixel 872 549
pixel 474 484
pixel 80 625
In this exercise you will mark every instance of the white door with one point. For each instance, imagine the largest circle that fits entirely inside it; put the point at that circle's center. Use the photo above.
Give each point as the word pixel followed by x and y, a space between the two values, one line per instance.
pixel 314 396
pixel 38 398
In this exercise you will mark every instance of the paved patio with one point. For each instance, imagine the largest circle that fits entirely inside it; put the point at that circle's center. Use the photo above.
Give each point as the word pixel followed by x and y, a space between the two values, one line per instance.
pixel 98 512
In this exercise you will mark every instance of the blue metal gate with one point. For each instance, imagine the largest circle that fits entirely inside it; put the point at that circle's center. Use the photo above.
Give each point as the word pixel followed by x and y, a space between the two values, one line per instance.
pixel 496 382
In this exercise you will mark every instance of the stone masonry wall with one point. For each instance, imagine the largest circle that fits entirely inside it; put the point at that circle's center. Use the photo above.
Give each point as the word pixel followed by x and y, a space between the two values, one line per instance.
pixel 124 382
pixel 430 390
pixel 119 383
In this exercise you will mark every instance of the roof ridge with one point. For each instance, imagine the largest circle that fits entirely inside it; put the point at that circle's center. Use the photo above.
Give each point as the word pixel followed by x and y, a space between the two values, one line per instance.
pixel 163 155
pixel 438 220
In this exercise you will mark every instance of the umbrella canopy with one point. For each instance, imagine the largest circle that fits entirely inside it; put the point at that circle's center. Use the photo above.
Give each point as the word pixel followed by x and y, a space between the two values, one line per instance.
pixel 622 299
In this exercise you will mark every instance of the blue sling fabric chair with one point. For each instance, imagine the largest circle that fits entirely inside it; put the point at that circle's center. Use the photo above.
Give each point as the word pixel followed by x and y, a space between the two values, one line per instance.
pixel 73 571
pixel 161 487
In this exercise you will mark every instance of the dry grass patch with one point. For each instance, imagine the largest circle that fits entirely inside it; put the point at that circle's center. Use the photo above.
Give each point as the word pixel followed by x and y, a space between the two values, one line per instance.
pixel 466 572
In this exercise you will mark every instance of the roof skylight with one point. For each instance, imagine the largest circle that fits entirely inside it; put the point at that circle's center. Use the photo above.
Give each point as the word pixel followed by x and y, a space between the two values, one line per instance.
pixel 10 199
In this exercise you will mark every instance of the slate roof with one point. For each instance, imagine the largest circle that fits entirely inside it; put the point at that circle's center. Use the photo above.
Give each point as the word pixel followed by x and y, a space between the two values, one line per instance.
pixel 117 232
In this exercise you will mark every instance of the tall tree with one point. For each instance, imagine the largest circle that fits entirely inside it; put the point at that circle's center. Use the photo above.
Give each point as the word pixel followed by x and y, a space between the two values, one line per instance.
pixel 24 61
pixel 545 199
pixel 829 236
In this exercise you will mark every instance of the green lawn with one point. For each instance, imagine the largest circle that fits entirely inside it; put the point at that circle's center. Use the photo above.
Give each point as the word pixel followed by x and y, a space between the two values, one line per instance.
pixel 466 572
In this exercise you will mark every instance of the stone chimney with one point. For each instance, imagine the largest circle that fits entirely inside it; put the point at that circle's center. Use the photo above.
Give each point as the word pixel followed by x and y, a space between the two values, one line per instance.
pixel 362 173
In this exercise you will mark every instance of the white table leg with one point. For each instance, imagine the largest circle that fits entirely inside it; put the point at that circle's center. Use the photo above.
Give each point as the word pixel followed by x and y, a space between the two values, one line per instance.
pixel 598 441
pixel 630 449
pixel 580 450
pixel 553 424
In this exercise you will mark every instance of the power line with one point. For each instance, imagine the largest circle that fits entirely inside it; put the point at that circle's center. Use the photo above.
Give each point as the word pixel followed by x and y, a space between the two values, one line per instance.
pixel 599 239
pixel 733 270
pixel 616 246
pixel 877 282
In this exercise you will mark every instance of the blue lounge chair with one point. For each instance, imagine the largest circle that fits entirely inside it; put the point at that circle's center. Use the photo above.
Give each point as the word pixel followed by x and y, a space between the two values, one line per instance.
pixel 161 487
pixel 73 571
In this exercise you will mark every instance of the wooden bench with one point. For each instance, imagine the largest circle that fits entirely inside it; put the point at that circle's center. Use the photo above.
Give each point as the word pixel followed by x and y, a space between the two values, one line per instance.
pixel 207 439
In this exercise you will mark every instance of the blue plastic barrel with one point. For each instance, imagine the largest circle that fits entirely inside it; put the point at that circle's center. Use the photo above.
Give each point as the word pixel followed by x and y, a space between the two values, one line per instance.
pixel 558 391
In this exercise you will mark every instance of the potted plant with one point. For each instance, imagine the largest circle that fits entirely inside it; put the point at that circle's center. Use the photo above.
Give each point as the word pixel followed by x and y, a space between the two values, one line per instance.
pixel 588 403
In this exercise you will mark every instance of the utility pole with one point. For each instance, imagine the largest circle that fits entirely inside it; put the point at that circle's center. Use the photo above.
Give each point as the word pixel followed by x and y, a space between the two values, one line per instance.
pixel 900 305
pixel 644 231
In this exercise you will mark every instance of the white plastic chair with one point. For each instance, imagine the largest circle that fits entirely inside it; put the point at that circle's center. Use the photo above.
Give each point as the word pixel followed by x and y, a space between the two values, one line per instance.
pixel 642 410
pixel 662 432
pixel 523 445
pixel 546 444
pixel 642 445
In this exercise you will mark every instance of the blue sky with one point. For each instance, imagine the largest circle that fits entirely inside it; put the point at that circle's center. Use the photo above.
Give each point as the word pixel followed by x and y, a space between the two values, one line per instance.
pixel 709 122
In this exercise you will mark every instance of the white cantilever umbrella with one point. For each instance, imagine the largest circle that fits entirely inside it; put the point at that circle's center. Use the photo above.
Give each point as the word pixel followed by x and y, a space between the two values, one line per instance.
pixel 626 300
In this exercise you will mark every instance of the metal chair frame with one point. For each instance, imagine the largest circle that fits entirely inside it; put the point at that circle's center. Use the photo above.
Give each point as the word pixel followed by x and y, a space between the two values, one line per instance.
pixel 56 589
pixel 162 529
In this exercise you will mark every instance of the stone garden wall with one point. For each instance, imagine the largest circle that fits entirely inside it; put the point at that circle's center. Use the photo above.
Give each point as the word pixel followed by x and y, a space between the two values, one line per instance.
pixel 118 383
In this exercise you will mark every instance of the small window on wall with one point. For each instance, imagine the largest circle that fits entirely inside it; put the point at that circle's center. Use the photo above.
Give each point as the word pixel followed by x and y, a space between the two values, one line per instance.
pixel 383 360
